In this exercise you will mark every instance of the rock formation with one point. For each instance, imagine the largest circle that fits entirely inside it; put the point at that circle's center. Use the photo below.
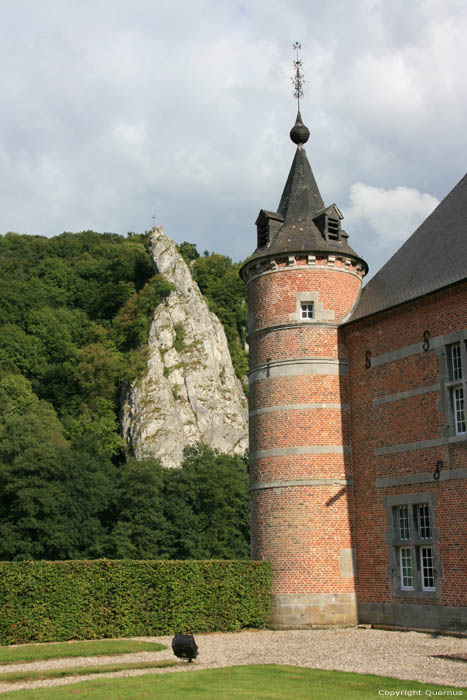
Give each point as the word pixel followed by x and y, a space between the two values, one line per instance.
pixel 189 393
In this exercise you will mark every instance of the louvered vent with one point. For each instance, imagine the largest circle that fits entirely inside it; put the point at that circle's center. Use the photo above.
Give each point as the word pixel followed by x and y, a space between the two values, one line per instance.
pixel 263 233
pixel 333 229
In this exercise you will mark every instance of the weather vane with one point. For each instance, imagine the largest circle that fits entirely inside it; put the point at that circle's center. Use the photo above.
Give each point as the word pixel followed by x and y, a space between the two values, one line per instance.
pixel 298 79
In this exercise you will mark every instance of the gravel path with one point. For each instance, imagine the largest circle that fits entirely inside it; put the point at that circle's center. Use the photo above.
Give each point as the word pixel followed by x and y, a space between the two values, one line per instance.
pixel 405 655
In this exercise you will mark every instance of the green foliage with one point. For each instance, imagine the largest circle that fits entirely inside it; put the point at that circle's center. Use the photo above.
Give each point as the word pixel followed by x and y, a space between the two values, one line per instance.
pixel 188 251
pixel 67 500
pixel 219 281
pixel 140 521
pixel 52 601
pixel 179 336
pixel 54 496
pixel 206 507
pixel 74 319
pixel 199 511
pixel 131 324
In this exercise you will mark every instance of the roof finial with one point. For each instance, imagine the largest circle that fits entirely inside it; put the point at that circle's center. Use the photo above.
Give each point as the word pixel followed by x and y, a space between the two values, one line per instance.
pixel 299 132
pixel 298 79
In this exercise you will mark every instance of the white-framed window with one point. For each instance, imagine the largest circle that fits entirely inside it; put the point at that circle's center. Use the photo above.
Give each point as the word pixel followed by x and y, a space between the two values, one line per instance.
pixel 412 542
pixel 422 511
pixel 307 309
pixel 457 371
pixel 402 520
pixel 427 569
pixel 406 571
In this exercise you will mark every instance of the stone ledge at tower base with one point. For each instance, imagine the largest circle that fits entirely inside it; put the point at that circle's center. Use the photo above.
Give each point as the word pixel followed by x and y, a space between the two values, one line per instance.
pixel 413 615
pixel 312 611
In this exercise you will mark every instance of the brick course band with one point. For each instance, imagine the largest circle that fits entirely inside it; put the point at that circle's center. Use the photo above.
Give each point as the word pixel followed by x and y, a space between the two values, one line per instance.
pixel 287 326
pixel 298 407
pixel 283 483
pixel 420 445
pixel 420 478
pixel 298 367
pixel 414 349
pixel 306 450
pixel 389 398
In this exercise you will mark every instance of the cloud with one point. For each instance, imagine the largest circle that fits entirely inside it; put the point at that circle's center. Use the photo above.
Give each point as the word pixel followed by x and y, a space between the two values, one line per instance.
pixel 114 112
pixel 382 219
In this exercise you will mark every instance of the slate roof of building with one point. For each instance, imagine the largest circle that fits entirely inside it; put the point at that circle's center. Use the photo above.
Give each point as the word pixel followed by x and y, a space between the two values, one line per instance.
pixel 435 256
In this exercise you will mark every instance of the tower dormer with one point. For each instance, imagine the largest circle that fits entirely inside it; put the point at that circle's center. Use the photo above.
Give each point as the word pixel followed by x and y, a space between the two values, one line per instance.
pixel 268 224
pixel 328 222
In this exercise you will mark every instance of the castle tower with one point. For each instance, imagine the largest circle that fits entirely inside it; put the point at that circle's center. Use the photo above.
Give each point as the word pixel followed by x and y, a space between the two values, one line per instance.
pixel 303 281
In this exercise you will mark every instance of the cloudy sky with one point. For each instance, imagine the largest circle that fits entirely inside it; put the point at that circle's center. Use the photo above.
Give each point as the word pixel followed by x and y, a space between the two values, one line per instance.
pixel 115 111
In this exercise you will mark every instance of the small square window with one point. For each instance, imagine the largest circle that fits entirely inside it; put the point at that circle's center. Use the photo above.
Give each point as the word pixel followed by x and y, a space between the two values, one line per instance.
pixel 307 310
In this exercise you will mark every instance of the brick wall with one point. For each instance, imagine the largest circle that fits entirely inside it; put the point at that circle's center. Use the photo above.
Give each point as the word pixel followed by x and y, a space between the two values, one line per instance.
pixel 300 430
pixel 386 427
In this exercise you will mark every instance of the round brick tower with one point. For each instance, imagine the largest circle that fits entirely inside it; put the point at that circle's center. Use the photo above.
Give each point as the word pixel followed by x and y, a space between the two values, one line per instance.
pixel 303 281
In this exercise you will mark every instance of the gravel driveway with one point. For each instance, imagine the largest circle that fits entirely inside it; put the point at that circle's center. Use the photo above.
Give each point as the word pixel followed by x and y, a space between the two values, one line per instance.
pixel 406 655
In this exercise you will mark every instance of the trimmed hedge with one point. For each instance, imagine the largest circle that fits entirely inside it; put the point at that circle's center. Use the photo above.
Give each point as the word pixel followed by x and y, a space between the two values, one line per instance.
pixel 60 600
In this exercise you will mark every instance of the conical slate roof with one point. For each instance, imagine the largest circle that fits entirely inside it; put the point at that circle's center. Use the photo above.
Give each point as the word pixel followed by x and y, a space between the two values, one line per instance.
pixel 434 257
pixel 301 199
pixel 300 204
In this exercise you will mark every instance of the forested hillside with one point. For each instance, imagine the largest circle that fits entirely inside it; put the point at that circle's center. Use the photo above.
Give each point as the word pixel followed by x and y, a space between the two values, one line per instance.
pixel 74 318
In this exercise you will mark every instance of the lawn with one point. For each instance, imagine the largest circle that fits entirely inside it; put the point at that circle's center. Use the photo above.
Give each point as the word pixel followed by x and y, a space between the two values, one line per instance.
pixel 58 650
pixel 238 683
pixel 18 676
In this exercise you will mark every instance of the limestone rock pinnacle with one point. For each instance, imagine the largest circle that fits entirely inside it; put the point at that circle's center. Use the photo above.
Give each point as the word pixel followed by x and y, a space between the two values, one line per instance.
pixel 189 393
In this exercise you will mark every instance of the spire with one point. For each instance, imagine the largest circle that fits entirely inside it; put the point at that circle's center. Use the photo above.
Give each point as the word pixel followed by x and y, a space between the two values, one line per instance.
pixel 302 222
pixel 301 198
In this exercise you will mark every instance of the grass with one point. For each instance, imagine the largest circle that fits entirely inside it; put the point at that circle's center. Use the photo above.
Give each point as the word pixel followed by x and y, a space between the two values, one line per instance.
pixel 238 683
pixel 59 650
pixel 17 677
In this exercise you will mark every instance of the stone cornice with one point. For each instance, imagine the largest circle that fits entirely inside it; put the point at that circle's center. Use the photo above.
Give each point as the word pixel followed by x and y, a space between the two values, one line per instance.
pixel 291 261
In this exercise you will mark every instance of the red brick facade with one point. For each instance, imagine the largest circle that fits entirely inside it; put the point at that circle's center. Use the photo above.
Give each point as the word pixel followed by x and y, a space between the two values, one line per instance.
pixel 400 407
pixel 343 415
pixel 301 498
pixel 358 438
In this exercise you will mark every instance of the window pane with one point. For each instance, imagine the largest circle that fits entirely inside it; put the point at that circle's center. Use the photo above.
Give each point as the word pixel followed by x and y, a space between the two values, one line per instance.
pixel 459 411
pixel 402 519
pixel 423 521
pixel 428 573
pixel 406 567
pixel 307 310
pixel 455 361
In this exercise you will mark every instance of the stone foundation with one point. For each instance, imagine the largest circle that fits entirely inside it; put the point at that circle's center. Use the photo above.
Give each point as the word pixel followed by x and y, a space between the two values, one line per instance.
pixel 313 611
pixel 430 617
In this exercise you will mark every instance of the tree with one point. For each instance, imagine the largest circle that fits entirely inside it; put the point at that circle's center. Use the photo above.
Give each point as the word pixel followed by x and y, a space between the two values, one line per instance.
pixel 55 497
pixel 33 522
pixel 188 251
pixel 140 525
pixel 206 506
